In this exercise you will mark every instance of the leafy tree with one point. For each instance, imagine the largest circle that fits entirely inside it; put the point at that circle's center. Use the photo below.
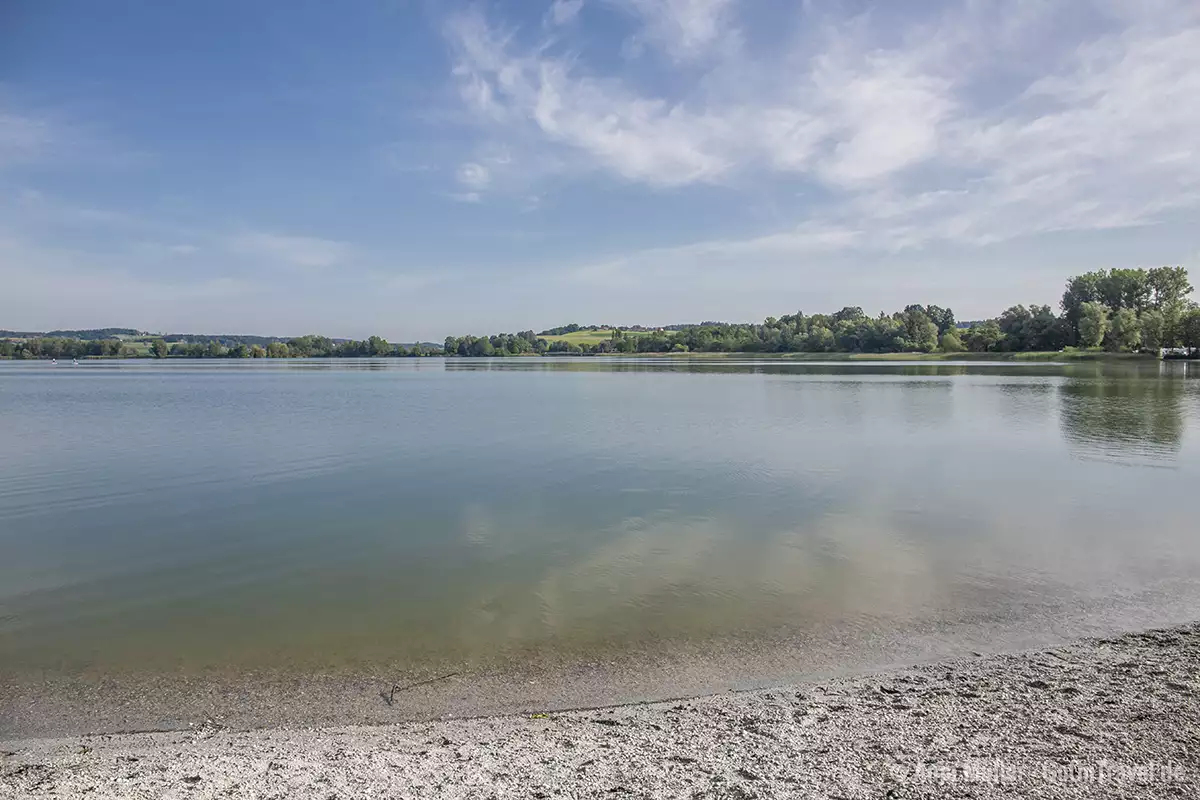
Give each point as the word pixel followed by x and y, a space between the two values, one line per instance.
pixel 950 342
pixel 1189 328
pixel 160 348
pixel 1125 333
pixel 1093 323
pixel 1014 323
pixel 1080 289
pixel 1125 288
pixel 942 317
pixel 984 336
pixel 377 346
pixel 920 331
pixel 820 339
pixel 1153 327
pixel 1170 288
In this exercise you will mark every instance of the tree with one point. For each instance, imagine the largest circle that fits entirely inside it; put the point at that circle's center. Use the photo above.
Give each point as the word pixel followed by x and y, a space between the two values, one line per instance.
pixel 1014 323
pixel 1044 330
pixel 819 340
pixel 1153 325
pixel 257 351
pixel 927 337
pixel 1124 331
pixel 1080 289
pixel 950 342
pixel 1125 288
pixel 1093 323
pixel 1169 286
pixel 160 348
pixel 377 346
pixel 942 317
pixel 1189 328
pixel 849 314
pixel 920 331
pixel 984 336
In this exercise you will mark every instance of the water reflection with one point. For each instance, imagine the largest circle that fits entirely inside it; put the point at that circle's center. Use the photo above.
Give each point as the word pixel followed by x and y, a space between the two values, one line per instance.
pixel 317 513
pixel 1125 418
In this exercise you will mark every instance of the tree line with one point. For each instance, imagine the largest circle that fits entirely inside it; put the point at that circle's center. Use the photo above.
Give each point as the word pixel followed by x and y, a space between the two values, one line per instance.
pixel 46 347
pixel 300 347
pixel 1119 310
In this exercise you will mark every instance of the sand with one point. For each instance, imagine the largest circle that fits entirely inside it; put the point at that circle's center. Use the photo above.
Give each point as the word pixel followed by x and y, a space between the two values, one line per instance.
pixel 1116 717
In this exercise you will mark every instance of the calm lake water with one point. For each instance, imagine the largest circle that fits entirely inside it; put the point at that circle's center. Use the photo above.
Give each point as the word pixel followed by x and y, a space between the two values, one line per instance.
pixel 315 516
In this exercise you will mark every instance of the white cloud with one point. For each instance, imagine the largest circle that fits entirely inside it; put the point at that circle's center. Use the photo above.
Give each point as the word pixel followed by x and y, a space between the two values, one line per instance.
pixel 685 29
pixel 986 122
pixel 296 251
pixel 563 12
pixel 473 175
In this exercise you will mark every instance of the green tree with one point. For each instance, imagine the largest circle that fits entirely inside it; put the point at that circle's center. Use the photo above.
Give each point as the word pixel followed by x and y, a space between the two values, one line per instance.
pixel 1080 289
pixel 1125 288
pixel 1125 333
pixel 1153 325
pixel 1170 288
pixel 160 348
pixel 985 336
pixel 377 346
pixel 257 351
pixel 942 317
pixel 1189 328
pixel 1093 323
pixel 951 343
pixel 1014 323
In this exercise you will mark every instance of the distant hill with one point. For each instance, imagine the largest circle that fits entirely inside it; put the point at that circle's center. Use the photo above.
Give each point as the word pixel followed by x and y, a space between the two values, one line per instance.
pixel 89 334
pixel 227 339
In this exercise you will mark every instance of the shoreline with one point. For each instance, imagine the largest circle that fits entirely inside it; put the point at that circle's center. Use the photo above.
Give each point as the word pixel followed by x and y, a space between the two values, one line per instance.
pixel 1117 716
pixel 1038 356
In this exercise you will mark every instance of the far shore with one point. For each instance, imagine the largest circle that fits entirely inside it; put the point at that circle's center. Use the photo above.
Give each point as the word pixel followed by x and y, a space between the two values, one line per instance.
pixel 1102 717
pixel 1049 356
pixel 1056 356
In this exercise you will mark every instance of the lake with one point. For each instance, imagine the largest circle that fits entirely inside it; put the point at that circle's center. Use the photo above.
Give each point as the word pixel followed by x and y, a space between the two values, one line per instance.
pixel 267 541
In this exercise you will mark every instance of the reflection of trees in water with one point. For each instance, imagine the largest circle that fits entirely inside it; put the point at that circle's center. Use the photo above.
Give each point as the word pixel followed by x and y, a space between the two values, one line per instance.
pixel 1123 417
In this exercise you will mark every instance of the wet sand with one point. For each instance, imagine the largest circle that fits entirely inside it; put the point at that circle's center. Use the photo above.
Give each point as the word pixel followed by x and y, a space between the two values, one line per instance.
pixel 1103 717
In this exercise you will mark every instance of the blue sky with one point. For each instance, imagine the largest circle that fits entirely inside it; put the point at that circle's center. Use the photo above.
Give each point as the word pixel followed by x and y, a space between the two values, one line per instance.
pixel 421 168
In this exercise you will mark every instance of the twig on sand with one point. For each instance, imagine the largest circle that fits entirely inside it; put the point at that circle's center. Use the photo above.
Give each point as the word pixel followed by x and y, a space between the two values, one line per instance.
pixel 391 695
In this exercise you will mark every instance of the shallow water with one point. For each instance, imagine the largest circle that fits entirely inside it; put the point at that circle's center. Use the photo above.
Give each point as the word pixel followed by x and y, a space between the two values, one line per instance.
pixel 321 516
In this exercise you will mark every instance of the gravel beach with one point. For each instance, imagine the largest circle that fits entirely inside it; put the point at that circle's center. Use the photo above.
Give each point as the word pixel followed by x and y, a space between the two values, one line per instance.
pixel 1116 717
